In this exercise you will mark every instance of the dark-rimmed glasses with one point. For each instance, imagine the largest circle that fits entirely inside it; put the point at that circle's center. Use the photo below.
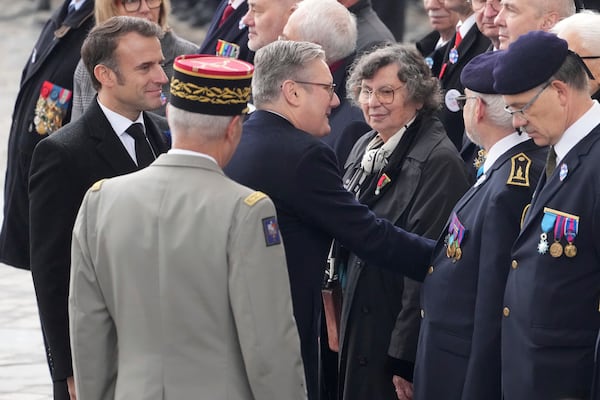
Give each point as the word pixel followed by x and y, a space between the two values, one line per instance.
pixel 589 57
pixel 385 95
pixel 521 111
pixel 135 5
pixel 461 100
pixel 330 87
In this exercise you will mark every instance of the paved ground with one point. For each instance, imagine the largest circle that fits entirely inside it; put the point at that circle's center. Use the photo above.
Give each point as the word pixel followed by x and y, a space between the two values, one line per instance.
pixel 23 370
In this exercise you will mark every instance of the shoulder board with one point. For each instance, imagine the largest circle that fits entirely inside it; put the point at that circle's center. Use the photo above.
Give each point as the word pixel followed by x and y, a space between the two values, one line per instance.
pixel 519 170
pixel 96 186
pixel 254 198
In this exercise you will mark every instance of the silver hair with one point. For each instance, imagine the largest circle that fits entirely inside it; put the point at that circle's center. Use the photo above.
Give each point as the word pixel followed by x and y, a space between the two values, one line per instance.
pixel 328 23
pixel 412 70
pixel 586 25
pixel 206 126
pixel 495 110
pixel 280 61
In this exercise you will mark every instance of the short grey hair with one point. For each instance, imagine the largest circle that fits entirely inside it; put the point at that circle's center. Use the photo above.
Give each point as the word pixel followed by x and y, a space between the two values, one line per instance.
pixel 208 127
pixel 573 72
pixel 586 24
pixel 495 110
pixel 278 62
pixel 328 23
pixel 421 86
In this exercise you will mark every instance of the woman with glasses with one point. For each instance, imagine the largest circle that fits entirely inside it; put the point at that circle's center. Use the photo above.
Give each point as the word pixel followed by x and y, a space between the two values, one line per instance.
pixel 407 171
pixel 172 45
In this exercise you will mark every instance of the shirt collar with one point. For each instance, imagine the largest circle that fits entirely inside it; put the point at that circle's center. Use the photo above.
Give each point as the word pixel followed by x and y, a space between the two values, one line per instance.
pixel 192 153
pixel 577 131
pixel 501 147
pixel 77 4
pixel 466 25
pixel 118 122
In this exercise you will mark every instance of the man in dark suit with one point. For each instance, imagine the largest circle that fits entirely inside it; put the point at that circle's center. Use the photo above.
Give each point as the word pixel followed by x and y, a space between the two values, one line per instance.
pixel 227 28
pixel 123 57
pixel 458 354
pixel 466 44
pixel 53 59
pixel 281 155
pixel 550 311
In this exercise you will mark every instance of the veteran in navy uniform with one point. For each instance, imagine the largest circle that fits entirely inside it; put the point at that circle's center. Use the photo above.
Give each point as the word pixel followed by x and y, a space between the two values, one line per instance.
pixel 97 145
pixel 458 356
pixel 181 290
pixel 280 154
pixel 53 60
pixel 551 313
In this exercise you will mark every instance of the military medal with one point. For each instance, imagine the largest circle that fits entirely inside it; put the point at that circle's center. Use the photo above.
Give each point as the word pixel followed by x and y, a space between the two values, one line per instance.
pixel 556 249
pixel 456 232
pixel 571 229
pixel 547 224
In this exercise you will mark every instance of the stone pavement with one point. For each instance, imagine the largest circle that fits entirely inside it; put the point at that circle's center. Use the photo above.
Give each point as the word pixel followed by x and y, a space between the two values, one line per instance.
pixel 23 370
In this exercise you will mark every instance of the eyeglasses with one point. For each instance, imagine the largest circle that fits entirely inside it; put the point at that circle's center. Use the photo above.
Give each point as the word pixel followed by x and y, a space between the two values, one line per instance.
pixel 330 87
pixel 384 95
pixel 135 5
pixel 462 100
pixel 521 111
pixel 589 57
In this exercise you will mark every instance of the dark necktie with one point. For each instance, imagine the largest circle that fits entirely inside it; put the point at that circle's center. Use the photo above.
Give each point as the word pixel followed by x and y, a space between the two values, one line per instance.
pixel 226 13
pixel 550 163
pixel 143 151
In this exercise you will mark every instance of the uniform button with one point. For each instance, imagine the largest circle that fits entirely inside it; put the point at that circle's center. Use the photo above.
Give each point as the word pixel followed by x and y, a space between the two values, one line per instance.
pixel 362 360
pixel 365 309
pixel 430 270
pixel 422 313
pixel 514 264
pixel 506 311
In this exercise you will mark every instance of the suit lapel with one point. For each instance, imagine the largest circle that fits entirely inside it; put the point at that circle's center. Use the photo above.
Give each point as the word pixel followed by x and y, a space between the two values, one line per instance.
pixel 109 146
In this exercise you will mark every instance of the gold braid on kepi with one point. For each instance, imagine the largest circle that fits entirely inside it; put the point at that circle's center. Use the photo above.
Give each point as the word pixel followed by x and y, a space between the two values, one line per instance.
pixel 212 85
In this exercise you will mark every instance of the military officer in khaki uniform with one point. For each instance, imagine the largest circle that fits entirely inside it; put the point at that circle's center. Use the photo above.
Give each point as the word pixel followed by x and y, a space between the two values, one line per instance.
pixel 179 284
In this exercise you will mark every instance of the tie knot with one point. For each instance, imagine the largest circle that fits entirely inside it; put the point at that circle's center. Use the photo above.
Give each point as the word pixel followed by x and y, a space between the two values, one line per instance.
pixel 136 131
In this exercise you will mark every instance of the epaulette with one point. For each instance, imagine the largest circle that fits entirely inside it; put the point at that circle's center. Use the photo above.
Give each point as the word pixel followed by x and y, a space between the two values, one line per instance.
pixel 254 198
pixel 96 186
pixel 519 170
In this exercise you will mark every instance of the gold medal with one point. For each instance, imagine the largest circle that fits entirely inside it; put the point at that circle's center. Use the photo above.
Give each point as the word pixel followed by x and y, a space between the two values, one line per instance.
pixel 556 249
pixel 570 250
pixel 457 254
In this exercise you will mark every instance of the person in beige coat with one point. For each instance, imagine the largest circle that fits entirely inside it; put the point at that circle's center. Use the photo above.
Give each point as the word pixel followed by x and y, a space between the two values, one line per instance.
pixel 179 285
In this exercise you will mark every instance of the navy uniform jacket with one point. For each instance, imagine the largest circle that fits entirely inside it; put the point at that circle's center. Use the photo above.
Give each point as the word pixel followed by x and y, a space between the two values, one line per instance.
pixel 473 44
pixel 458 356
pixel 300 174
pixel 53 59
pixel 63 167
pixel 551 315
pixel 232 31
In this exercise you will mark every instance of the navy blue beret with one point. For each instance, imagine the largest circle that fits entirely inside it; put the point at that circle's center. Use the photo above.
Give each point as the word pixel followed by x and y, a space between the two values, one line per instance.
pixel 477 74
pixel 529 61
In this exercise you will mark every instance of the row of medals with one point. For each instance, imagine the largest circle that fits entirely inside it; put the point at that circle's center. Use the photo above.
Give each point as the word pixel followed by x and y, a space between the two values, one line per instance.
pixel 453 252
pixel 556 249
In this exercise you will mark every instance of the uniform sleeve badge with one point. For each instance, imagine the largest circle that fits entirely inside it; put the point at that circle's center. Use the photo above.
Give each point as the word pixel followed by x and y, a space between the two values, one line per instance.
pixel 271 231
pixel 519 170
